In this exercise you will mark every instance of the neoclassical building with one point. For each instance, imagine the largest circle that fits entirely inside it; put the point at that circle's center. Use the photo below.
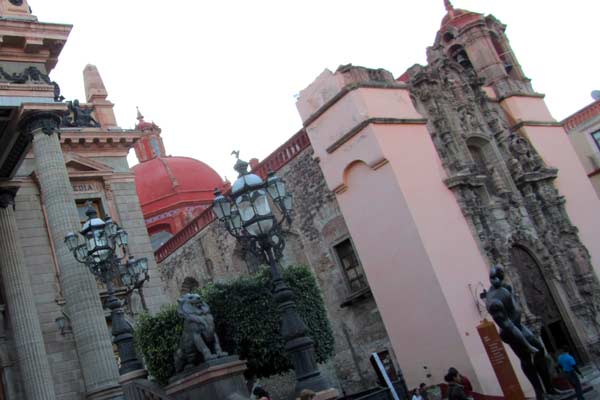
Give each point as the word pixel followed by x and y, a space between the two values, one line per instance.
pixel 54 157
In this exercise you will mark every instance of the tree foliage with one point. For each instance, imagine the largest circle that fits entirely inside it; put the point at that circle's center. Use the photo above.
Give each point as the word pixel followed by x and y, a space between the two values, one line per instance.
pixel 247 322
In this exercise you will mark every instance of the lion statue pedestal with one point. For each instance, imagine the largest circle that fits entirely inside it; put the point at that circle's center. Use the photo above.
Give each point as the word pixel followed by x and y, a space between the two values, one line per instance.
pixel 204 371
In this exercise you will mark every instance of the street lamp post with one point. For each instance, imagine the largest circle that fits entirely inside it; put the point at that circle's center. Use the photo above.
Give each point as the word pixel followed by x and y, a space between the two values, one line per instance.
pixel 104 252
pixel 247 215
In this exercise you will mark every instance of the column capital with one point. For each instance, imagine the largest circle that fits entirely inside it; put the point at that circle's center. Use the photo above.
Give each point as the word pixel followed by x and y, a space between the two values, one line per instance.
pixel 7 196
pixel 45 121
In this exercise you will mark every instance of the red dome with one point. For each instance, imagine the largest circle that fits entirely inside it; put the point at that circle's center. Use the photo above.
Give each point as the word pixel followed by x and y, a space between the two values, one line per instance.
pixel 167 183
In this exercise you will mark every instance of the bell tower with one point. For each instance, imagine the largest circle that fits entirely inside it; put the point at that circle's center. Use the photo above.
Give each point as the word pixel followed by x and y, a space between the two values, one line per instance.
pixel 479 42
pixel 150 144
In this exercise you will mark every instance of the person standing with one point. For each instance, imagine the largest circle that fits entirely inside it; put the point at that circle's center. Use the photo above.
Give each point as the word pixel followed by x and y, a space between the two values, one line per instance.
pixel 569 366
pixel 456 391
pixel 417 395
pixel 463 380
pixel 423 391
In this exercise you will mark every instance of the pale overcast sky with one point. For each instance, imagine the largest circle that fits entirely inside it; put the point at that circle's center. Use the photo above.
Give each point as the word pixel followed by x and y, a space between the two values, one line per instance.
pixel 222 75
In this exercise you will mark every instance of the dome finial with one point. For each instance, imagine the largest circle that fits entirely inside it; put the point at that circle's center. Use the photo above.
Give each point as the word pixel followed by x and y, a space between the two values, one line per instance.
pixel 449 7
pixel 139 117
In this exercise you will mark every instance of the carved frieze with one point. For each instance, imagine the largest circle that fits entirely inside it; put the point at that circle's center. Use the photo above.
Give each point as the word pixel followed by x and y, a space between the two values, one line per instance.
pixel 32 76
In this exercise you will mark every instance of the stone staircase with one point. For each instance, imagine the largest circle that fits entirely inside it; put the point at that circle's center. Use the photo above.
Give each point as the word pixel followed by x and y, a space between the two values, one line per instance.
pixel 142 389
pixel 591 377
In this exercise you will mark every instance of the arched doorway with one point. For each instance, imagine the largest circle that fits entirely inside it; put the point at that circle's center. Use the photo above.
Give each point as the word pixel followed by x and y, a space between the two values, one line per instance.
pixel 541 302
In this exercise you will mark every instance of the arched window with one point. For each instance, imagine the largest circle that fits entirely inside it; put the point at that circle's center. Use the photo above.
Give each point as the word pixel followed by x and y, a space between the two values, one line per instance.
pixel 155 146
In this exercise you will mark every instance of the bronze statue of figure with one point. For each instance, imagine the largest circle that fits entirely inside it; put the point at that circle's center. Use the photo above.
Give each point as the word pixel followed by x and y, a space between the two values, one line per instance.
pixel 502 305
pixel 78 116
pixel 199 342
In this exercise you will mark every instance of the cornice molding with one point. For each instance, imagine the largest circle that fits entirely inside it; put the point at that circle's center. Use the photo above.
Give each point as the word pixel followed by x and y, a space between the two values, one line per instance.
pixel 377 121
pixel 347 89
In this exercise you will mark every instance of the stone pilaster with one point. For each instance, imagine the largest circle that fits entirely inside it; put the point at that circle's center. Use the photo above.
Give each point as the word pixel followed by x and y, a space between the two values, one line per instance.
pixel 91 334
pixel 29 342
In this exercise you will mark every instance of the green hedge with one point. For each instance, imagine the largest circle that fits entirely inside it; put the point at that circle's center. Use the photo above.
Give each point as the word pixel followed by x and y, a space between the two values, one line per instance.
pixel 156 338
pixel 247 323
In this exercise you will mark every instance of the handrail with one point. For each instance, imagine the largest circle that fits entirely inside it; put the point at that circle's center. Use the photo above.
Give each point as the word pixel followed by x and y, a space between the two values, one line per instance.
pixel 142 389
pixel 274 162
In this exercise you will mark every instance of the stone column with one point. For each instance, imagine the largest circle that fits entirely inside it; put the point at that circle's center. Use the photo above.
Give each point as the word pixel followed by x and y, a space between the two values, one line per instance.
pixel 90 331
pixel 29 342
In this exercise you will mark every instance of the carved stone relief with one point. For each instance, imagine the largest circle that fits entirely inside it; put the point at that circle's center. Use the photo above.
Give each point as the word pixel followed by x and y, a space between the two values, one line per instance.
pixel 507 194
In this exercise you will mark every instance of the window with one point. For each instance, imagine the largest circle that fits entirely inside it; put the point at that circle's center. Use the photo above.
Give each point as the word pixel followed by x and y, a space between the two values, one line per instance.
pixel 596 137
pixel 350 265
pixel 155 147
pixel 82 206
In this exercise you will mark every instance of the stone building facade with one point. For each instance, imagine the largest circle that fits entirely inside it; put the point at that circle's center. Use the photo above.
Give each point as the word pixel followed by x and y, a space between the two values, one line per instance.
pixel 471 170
pixel 583 128
pixel 55 341
pixel 317 238
pixel 428 179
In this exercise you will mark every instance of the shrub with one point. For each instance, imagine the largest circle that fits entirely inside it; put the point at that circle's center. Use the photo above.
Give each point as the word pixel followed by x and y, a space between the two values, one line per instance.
pixel 247 322
pixel 156 338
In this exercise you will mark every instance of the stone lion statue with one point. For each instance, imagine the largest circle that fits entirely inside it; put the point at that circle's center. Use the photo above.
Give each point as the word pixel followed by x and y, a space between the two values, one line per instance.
pixel 199 342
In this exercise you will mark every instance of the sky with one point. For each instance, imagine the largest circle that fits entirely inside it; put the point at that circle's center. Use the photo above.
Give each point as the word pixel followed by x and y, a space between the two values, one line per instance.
pixel 218 76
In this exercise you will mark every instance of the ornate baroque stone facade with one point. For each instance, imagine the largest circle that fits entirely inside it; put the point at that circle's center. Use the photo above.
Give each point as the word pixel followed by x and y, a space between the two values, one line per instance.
pixel 506 190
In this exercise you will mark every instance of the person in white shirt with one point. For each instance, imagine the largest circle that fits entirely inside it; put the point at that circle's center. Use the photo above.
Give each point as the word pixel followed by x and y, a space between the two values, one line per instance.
pixel 417 395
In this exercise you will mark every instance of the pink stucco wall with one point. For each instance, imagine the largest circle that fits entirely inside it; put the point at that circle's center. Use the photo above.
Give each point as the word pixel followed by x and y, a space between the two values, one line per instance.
pixel 406 289
pixel 415 245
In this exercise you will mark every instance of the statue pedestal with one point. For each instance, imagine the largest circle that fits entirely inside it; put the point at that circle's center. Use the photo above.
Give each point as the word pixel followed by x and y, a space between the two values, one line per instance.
pixel 220 379
pixel 329 394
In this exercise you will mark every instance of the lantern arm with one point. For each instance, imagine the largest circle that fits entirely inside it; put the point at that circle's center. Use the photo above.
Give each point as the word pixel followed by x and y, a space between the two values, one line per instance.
pixel 252 245
pixel 78 257
pixel 285 217
pixel 234 232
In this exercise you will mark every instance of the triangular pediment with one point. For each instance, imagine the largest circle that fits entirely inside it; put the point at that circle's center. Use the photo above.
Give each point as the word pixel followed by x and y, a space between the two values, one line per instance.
pixel 78 163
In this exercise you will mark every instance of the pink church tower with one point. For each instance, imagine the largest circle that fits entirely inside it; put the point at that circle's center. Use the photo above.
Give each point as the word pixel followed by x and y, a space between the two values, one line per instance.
pixel 454 167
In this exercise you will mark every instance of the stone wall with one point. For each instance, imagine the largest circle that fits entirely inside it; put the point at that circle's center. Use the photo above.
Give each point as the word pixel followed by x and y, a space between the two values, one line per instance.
pixel 213 255
pixel 132 220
